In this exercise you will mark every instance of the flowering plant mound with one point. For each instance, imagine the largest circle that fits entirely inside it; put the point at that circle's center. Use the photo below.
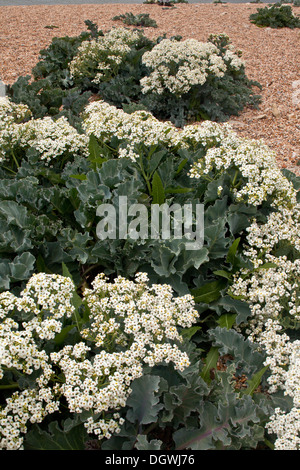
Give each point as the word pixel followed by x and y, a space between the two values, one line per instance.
pixel 177 80
pixel 47 137
pixel 127 325
pixel 103 56
pixel 179 65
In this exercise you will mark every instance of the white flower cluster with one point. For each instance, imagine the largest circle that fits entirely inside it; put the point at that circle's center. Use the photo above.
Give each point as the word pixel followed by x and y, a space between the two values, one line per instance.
pixel 287 425
pixel 177 66
pixel 207 134
pixel 102 57
pixel 131 324
pixel 46 300
pixel 233 59
pixel 12 113
pixel 272 291
pixel 257 165
pixel 105 121
pixel 52 139
pixel 282 225
pixel 150 314
pixel 272 294
pixel 30 405
pixel 12 116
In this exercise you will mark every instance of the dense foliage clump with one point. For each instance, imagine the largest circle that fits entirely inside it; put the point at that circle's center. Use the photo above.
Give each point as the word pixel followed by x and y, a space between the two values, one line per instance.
pixel 276 16
pixel 141 19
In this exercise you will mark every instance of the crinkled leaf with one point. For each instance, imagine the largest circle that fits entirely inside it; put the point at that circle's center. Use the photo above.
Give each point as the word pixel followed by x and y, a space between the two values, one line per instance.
pixel 143 403
pixel 143 444
pixel 242 349
pixel 222 426
pixel 22 266
pixel 56 438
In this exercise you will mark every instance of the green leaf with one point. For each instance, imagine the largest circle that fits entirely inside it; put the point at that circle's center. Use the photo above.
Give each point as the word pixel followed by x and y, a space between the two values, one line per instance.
pixel 240 307
pixel 181 166
pixel 227 320
pixel 223 273
pixel 95 153
pixel 267 266
pixel 188 333
pixel 202 438
pixel 14 213
pixel 79 177
pixel 155 160
pixel 76 299
pixel 226 425
pixel 178 190
pixel 94 148
pixel 232 251
pixel 208 292
pixel 215 236
pixel 61 337
pixel 22 266
pixel 210 363
pixel 41 265
pixel 163 259
pixel 245 353
pixel 191 258
pixel 255 381
pixel 66 272
pixel 237 222
pixel 158 192
pixel 57 438
pixel 184 399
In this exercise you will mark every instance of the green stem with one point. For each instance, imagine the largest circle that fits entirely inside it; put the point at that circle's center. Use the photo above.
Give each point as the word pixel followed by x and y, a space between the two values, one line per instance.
pixel 15 159
pixel 269 444
pixel 109 147
pixel 7 387
pixel 9 169
pixel 235 177
pixel 90 268
pixel 144 175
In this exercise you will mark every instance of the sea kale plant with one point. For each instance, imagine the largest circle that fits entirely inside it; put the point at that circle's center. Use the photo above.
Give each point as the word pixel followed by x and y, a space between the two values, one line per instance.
pixel 119 340
pixel 192 80
pixel 52 91
pixel 141 19
pixel 177 80
pixel 276 16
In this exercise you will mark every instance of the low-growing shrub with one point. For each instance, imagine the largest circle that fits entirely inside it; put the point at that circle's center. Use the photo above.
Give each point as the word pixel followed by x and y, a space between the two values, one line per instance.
pixel 141 19
pixel 276 16
pixel 128 70
pixel 199 80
